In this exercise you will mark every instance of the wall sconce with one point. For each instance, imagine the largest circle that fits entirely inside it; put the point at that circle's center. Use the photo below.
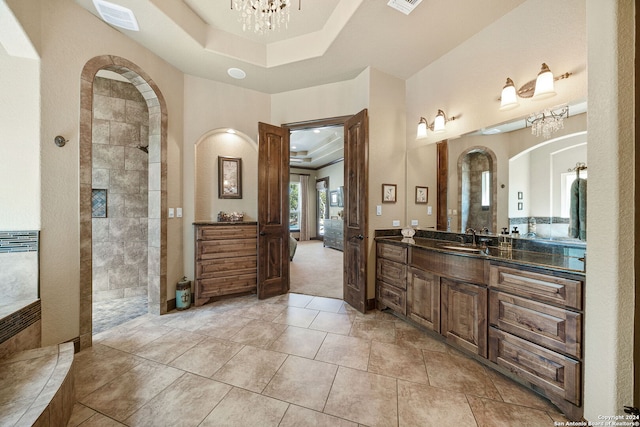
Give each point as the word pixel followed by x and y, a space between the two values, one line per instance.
pixel 438 125
pixel 540 88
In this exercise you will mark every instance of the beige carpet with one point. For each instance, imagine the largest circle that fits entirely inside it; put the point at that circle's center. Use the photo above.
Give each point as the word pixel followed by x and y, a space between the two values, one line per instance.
pixel 316 270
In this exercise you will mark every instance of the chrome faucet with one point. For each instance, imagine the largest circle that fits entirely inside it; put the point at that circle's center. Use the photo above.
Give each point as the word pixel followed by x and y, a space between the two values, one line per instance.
pixel 473 235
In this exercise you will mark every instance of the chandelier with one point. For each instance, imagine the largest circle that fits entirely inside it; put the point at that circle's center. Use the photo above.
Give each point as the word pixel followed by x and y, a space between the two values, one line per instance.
pixel 263 15
pixel 548 121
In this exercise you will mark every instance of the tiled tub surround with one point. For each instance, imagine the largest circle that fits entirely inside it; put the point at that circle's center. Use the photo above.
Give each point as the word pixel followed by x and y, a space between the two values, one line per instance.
pixel 37 387
pixel 20 309
pixel 120 125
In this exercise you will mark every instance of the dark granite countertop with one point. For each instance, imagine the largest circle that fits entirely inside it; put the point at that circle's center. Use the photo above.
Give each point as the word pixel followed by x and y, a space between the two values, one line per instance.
pixel 552 261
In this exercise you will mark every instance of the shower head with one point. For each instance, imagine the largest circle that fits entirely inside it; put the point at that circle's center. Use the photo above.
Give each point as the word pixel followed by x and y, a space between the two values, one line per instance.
pixel 144 148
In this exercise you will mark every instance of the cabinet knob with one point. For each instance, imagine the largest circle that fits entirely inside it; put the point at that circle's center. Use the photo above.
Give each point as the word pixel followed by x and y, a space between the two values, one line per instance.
pixel 262 233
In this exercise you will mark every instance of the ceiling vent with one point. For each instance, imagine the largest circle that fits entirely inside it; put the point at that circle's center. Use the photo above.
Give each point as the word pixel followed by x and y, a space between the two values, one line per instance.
pixel 116 15
pixel 404 6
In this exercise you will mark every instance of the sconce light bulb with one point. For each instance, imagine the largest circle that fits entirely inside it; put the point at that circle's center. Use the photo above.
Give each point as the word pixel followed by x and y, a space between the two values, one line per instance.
pixel 439 122
pixel 422 128
pixel 508 99
pixel 544 84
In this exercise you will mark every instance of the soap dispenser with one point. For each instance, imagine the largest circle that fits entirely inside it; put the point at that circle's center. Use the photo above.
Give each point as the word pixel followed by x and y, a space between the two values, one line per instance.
pixel 515 232
pixel 504 241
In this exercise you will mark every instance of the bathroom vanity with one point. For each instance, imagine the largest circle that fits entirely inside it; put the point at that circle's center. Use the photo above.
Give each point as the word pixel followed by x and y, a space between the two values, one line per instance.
pixel 520 312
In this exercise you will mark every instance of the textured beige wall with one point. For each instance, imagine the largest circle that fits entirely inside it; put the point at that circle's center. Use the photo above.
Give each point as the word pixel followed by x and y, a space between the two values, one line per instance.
pixel 19 143
pixel 211 107
pixel 66 40
pixel 610 274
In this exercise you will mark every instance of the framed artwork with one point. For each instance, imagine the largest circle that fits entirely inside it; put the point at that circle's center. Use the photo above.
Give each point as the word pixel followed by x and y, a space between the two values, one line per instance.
pixel 422 195
pixel 229 177
pixel 389 193
pixel 519 195
pixel 334 198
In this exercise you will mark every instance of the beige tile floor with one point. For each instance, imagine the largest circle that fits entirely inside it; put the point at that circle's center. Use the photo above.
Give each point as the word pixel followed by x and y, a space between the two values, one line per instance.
pixel 293 360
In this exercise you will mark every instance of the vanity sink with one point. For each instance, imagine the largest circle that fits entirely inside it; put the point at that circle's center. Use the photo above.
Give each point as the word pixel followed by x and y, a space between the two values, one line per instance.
pixel 461 248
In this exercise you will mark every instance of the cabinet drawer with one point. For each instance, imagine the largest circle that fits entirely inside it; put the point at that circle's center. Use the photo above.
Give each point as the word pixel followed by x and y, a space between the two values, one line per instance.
pixel 392 297
pixel 392 252
pixel 226 232
pixel 213 249
pixel 542 287
pixel 226 285
pixel 549 326
pixel 556 374
pixel 393 273
pixel 224 267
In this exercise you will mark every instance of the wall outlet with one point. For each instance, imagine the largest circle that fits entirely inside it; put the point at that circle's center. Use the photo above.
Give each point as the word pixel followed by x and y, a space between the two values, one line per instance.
pixel 171 213
pixel 378 210
pixel 179 212
pixel 455 212
pixel 396 223
pixel 414 222
pixel 429 210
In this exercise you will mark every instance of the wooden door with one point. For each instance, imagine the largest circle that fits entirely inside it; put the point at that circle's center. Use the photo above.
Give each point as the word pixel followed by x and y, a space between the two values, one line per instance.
pixel 356 148
pixel 273 210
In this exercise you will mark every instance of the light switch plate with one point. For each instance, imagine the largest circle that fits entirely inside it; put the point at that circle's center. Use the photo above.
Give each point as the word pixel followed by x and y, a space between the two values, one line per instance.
pixel 179 212
pixel 396 223
pixel 378 210
pixel 429 210
pixel 171 213
pixel 414 222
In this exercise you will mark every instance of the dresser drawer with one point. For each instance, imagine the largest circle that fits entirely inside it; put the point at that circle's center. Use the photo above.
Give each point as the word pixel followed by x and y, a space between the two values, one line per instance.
pixel 538 286
pixel 216 287
pixel 214 249
pixel 225 267
pixel 549 326
pixel 226 232
pixel 392 297
pixel 392 272
pixel 556 374
pixel 392 252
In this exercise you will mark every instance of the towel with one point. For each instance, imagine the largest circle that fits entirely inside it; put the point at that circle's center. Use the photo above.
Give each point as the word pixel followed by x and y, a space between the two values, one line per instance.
pixel 578 210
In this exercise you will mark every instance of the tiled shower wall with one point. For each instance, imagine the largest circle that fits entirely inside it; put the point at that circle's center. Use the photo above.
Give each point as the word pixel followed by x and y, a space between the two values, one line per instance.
pixel 120 125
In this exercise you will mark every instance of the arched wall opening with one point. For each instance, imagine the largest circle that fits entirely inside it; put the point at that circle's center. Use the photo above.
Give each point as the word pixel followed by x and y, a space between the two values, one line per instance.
pixel 157 193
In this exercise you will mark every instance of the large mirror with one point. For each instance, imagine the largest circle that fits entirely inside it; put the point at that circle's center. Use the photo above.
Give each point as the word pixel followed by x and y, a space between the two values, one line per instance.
pixel 504 176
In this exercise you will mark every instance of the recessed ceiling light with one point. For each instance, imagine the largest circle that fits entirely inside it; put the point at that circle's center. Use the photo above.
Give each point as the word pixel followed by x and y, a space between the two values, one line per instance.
pixel 236 73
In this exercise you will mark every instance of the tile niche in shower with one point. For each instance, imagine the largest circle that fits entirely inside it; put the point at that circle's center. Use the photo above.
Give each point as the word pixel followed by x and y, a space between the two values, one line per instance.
pixel 98 203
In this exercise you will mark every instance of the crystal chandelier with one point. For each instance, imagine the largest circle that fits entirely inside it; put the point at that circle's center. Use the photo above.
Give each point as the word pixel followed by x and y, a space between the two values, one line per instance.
pixel 548 121
pixel 262 15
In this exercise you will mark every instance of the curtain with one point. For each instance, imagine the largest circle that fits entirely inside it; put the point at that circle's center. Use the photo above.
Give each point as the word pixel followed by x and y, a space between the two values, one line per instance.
pixel 304 207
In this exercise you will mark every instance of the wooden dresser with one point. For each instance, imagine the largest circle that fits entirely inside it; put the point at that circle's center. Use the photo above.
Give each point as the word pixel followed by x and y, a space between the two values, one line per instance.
pixel 334 234
pixel 225 259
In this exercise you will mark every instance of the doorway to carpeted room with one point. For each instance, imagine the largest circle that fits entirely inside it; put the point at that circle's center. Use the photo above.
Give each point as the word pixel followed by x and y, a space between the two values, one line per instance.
pixel 316 270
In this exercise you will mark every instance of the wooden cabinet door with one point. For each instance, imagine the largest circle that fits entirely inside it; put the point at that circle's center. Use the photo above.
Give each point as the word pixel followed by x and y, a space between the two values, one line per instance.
pixel 464 315
pixel 423 299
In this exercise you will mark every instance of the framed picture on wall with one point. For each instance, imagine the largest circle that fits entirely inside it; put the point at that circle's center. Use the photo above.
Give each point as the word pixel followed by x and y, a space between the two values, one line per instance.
pixel 389 193
pixel 334 198
pixel 422 195
pixel 229 177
